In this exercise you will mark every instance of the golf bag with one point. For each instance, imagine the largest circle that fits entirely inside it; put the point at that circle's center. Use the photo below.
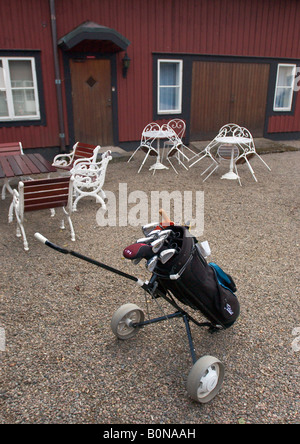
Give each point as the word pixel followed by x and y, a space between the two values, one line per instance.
pixel 189 278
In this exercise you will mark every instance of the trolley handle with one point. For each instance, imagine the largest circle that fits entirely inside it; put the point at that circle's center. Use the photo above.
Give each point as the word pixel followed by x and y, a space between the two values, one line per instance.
pixel 45 241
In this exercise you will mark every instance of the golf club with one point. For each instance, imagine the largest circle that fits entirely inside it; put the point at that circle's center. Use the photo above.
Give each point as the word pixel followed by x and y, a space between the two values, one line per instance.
pixel 149 227
pixel 158 243
pixel 151 263
pixel 166 255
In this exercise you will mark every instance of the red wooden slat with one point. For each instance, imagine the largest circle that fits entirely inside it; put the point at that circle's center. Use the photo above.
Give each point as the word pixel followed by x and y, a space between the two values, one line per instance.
pixel 42 167
pixel 45 162
pixel 52 181
pixel 44 194
pixel 14 165
pixel 21 161
pixel 40 190
pixel 46 197
pixel 84 151
pixel 8 172
pixel 7 149
pixel 44 206
pixel 85 145
pixel 32 167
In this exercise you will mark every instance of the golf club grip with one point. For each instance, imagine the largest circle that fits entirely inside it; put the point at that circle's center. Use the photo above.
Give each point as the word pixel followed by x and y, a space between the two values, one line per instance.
pixel 40 238
pixel 45 241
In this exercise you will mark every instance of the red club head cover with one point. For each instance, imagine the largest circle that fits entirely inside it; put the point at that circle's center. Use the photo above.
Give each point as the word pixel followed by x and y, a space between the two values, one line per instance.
pixel 139 250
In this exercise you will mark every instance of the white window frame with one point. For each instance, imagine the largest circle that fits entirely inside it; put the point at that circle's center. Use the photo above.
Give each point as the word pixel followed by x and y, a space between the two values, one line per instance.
pixel 291 87
pixel 8 89
pixel 159 86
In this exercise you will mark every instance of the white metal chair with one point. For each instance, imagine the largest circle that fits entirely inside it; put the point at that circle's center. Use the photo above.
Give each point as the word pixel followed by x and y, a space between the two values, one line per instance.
pixel 226 131
pixel 248 150
pixel 42 194
pixel 179 126
pixel 149 135
pixel 176 147
pixel 229 130
pixel 80 151
pixel 89 176
pixel 206 152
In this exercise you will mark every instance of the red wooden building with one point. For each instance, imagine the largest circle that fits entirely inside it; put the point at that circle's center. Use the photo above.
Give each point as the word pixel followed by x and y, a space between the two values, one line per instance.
pixel 63 74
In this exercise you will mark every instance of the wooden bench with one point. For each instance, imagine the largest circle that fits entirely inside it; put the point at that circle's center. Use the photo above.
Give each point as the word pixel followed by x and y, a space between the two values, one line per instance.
pixel 80 151
pixel 11 148
pixel 42 194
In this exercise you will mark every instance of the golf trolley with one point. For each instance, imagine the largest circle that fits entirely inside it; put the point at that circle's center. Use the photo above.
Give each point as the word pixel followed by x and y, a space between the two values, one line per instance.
pixel 179 272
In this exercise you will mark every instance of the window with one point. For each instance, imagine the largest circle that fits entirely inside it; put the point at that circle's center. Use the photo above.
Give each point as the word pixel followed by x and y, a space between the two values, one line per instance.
pixel 169 86
pixel 18 89
pixel 284 87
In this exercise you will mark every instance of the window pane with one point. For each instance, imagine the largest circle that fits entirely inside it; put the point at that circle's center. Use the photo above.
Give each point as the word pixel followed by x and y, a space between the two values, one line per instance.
pixel 169 87
pixel 3 104
pixel 18 89
pixel 283 98
pixel 169 99
pixel 20 73
pixel 285 76
pixel 24 102
pixel 169 74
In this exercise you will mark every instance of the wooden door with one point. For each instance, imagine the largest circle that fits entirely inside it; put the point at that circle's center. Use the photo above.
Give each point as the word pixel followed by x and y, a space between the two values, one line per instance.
pixel 228 93
pixel 91 97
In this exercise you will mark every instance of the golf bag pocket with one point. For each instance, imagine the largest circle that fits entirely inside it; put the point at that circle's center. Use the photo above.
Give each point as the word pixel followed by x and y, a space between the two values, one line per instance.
pixel 224 279
pixel 226 302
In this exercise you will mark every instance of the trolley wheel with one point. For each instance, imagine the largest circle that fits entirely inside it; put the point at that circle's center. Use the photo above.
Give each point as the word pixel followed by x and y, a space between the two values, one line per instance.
pixel 123 318
pixel 205 379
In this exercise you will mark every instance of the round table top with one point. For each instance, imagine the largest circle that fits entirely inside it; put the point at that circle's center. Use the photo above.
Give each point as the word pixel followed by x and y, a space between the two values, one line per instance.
pixel 161 134
pixel 233 139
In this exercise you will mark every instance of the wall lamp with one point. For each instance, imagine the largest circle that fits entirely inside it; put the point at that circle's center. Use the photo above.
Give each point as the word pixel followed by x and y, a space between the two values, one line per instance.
pixel 125 63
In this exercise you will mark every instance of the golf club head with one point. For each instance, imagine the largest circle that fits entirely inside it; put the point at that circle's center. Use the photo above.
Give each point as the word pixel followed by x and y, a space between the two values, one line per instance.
pixel 166 233
pixel 158 243
pixel 154 233
pixel 149 227
pixel 146 240
pixel 166 255
pixel 151 263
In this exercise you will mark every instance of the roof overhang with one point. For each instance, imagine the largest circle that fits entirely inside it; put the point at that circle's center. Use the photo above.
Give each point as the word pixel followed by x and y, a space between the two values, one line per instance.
pixel 91 36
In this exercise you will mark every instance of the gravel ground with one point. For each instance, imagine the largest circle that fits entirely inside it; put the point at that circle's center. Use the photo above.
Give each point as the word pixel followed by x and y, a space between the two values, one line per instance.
pixel 62 363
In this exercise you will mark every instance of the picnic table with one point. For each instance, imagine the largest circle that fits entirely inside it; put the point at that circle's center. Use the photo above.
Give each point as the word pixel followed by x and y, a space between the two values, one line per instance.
pixel 19 165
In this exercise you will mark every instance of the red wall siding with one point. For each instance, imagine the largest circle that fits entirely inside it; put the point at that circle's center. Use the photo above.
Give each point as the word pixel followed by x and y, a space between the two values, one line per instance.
pixel 256 28
pixel 26 25
pixel 268 28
